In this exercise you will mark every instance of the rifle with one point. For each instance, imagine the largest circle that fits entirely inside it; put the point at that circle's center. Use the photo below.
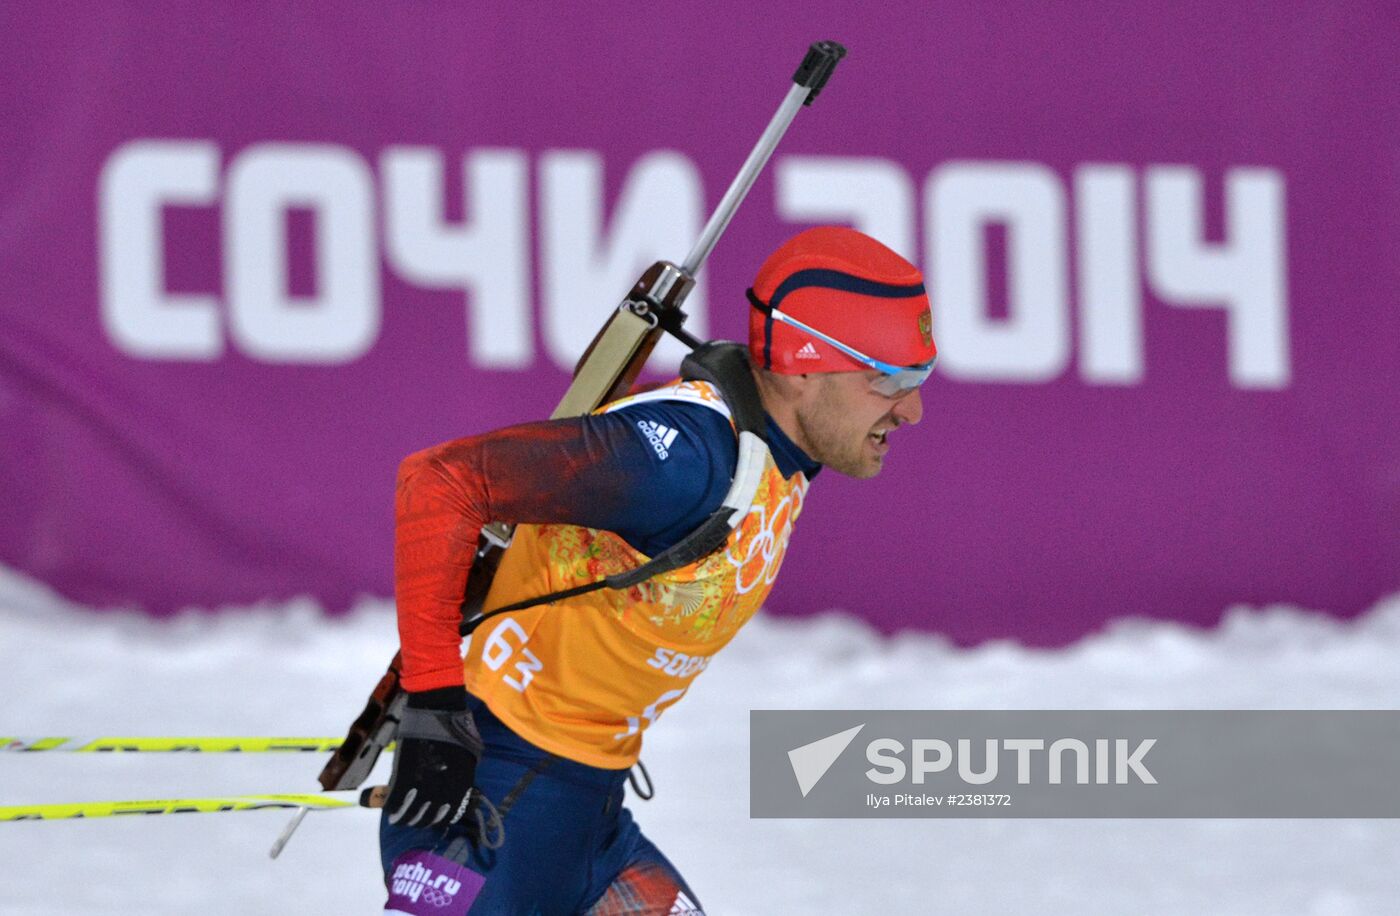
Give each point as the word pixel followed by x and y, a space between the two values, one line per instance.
pixel 606 371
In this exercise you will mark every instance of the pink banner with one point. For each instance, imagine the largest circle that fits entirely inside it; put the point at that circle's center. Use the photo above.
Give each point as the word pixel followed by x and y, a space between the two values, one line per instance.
pixel 251 257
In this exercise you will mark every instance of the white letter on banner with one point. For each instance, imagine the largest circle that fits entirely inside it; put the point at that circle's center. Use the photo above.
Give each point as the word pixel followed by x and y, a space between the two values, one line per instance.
pixel 1023 748
pixel 583 278
pixel 487 256
pixel 872 195
pixel 1110 299
pixel 1245 275
pixel 942 757
pixel 1133 761
pixel 884 753
pixel 341 321
pixel 1032 344
pixel 965 771
pixel 1081 760
pixel 140 317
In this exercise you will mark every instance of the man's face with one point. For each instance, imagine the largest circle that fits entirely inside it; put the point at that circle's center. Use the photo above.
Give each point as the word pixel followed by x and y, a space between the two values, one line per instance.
pixel 844 423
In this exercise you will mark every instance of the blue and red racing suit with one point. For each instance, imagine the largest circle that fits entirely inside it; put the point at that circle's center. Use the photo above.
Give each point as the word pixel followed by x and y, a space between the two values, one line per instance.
pixel 563 693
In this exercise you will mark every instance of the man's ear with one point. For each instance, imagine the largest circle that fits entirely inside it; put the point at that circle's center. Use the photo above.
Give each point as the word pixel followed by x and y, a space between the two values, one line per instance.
pixel 805 387
pixel 795 389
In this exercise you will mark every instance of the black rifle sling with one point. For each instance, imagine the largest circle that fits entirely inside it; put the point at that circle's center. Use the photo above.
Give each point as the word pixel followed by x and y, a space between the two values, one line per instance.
pixel 726 366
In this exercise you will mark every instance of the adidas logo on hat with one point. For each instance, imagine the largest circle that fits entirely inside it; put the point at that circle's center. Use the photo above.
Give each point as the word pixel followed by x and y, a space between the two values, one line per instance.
pixel 846 286
pixel 660 437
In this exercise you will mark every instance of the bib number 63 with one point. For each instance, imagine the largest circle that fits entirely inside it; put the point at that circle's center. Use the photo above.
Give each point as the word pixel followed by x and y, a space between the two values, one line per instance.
pixel 498 649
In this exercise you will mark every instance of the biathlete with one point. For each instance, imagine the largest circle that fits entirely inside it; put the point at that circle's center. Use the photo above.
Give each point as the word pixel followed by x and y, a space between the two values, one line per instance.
pixel 507 790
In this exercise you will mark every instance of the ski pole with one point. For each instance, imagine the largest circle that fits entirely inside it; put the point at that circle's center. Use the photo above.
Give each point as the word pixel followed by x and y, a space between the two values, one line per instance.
pixel 369 798
pixel 219 804
pixel 127 744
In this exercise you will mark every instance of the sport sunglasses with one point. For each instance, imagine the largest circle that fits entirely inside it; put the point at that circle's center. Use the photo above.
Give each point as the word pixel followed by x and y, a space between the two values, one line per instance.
pixel 892 381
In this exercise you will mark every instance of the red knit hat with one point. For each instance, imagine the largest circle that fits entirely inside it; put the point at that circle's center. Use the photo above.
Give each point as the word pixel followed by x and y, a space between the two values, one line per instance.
pixel 848 286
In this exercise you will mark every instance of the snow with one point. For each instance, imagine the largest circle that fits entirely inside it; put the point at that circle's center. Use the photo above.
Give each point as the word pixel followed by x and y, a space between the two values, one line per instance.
pixel 288 670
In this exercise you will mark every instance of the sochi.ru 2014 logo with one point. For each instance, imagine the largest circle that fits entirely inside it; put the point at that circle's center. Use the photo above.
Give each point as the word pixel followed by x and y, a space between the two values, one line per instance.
pixel 414 880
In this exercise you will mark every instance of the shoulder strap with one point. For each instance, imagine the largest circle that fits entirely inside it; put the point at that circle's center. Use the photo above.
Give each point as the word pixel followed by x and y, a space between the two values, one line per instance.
pixel 726 366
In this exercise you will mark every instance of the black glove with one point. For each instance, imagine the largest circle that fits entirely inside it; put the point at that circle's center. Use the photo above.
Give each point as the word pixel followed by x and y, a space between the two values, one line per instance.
pixel 435 762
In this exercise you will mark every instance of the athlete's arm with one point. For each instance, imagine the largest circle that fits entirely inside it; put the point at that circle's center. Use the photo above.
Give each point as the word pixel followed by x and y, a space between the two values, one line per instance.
pixel 601 471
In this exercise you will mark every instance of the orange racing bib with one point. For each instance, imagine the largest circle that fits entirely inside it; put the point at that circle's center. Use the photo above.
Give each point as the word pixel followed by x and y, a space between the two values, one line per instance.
pixel 585 677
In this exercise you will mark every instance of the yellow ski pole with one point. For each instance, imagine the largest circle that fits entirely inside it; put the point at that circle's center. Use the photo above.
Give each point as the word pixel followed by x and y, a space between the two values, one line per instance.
pixel 221 804
pixel 127 744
